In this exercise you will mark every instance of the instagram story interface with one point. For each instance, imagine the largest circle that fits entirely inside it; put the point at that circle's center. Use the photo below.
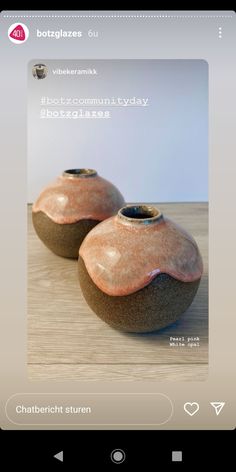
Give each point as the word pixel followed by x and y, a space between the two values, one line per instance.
pixel 116 141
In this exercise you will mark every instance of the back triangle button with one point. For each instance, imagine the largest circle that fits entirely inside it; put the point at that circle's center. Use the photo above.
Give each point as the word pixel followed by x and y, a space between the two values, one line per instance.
pixel 59 456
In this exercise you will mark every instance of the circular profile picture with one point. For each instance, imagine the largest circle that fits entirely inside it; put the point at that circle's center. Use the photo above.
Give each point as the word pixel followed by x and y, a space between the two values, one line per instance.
pixel 18 33
pixel 40 71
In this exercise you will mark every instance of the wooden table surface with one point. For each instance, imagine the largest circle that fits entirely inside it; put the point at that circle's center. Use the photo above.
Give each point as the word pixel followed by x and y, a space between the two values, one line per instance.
pixel 67 341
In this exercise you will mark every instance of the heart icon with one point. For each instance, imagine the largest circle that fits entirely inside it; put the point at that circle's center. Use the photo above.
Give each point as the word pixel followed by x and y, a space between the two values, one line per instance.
pixel 191 408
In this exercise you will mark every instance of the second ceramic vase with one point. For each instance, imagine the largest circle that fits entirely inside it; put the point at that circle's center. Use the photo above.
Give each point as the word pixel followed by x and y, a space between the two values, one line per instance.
pixel 138 270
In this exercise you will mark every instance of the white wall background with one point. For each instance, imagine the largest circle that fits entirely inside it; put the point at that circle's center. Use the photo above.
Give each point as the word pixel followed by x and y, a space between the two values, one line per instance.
pixel 153 154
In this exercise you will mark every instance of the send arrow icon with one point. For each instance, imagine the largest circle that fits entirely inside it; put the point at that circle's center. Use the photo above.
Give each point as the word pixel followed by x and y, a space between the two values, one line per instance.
pixel 218 406
pixel 59 456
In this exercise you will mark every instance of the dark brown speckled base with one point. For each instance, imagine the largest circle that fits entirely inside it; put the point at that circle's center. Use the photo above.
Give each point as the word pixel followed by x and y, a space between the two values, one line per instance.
pixel 62 239
pixel 153 307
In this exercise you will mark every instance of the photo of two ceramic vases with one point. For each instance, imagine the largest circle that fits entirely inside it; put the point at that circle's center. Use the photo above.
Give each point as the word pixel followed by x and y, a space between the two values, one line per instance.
pixel 138 270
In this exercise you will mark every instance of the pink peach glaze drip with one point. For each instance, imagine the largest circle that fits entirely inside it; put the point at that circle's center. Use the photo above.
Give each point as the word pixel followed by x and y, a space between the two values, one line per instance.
pixel 123 258
pixel 69 200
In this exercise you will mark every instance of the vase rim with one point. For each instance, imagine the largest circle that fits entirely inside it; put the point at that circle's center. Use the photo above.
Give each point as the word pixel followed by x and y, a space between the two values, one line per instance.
pixel 139 214
pixel 79 173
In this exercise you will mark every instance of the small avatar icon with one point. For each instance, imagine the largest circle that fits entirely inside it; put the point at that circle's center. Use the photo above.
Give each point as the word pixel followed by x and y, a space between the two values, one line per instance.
pixel 39 71
pixel 18 33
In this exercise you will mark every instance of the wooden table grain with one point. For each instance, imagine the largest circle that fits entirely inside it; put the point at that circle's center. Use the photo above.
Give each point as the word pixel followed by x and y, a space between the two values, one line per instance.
pixel 67 341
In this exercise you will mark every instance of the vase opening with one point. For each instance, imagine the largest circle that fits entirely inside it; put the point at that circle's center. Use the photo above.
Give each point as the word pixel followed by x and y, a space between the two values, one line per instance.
pixel 139 214
pixel 75 173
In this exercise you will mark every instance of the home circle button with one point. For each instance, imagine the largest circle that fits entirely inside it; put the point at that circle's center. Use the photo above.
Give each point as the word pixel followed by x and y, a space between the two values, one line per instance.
pixel 118 456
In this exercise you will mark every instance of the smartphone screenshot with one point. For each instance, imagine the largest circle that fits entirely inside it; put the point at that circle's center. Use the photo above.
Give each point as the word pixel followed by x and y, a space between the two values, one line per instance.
pixel 118 228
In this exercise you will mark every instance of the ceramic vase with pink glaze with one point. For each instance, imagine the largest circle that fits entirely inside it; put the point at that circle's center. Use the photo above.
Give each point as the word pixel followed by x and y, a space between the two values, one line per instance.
pixel 70 207
pixel 139 271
